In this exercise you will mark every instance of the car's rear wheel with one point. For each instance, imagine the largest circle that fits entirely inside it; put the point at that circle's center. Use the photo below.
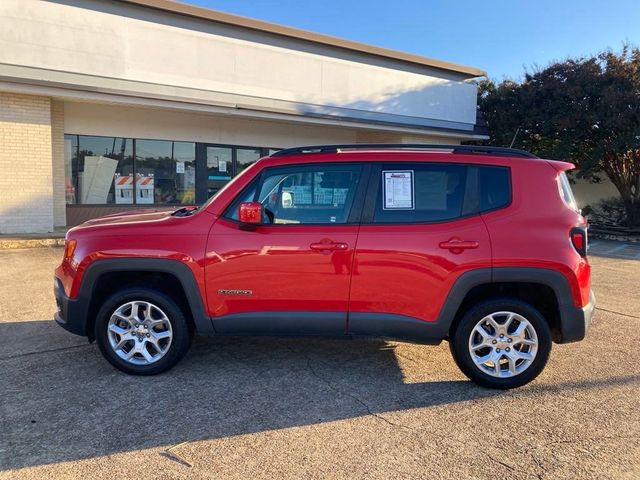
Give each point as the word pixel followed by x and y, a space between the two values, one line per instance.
pixel 141 331
pixel 502 343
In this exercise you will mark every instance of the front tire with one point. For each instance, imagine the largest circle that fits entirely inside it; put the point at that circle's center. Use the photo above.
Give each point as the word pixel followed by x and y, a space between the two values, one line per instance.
pixel 502 343
pixel 141 331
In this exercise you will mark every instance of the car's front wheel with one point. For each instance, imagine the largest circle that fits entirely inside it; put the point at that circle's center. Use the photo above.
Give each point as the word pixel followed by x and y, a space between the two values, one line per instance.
pixel 502 343
pixel 142 331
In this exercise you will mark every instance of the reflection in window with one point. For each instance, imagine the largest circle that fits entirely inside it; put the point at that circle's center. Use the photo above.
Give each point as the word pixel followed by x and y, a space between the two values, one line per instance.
pixel 165 172
pixel 311 195
pixel 70 161
pixel 246 157
pixel 104 170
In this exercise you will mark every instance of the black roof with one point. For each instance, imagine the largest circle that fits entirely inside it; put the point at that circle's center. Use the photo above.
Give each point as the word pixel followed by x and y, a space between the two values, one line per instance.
pixel 466 149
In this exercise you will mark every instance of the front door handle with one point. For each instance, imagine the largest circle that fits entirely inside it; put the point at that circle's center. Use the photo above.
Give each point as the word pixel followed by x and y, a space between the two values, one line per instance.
pixel 329 245
pixel 456 244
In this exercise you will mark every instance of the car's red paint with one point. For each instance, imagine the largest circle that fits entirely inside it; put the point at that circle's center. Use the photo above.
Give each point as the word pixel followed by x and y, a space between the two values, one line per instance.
pixel 400 269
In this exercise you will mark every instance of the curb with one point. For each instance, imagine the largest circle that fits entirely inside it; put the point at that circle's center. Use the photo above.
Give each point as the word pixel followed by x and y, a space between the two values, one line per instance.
pixel 14 243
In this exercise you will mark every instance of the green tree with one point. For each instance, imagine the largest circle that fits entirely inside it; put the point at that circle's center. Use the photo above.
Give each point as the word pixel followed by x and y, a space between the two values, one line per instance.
pixel 585 110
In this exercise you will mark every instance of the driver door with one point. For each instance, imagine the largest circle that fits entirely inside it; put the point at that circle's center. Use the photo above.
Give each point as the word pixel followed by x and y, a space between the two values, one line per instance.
pixel 290 274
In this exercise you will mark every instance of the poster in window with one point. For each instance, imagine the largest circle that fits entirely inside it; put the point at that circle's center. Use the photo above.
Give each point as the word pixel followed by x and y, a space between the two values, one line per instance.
pixel 398 190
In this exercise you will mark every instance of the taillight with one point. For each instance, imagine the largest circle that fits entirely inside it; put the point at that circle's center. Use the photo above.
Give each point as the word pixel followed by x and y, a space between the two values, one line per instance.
pixel 579 240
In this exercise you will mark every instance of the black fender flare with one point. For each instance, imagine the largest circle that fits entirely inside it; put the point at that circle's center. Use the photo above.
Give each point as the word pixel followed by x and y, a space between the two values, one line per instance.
pixel 175 268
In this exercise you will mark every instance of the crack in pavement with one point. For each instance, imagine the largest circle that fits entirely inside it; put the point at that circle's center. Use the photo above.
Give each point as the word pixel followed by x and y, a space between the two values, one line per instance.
pixel 27 354
pixel 618 313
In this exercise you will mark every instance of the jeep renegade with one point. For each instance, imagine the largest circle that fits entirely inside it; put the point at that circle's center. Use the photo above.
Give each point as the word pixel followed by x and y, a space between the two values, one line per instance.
pixel 481 246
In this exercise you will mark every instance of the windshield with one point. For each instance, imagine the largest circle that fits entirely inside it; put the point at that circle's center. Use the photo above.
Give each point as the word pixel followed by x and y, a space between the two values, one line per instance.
pixel 227 186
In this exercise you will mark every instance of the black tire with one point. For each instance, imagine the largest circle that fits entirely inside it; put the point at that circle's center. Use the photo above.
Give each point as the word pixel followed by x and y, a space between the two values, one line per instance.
pixel 459 343
pixel 181 332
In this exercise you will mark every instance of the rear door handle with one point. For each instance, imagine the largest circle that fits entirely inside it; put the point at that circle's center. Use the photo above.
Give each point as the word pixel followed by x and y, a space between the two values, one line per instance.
pixel 329 246
pixel 455 244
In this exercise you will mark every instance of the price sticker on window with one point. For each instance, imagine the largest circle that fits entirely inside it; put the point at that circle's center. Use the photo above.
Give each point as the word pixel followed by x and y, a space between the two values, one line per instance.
pixel 398 190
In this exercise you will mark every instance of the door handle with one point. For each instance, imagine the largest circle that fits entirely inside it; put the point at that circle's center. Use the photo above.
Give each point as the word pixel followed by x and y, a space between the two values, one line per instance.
pixel 329 246
pixel 456 244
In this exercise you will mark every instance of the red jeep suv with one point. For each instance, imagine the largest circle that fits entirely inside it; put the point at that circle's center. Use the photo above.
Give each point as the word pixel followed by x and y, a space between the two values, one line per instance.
pixel 480 246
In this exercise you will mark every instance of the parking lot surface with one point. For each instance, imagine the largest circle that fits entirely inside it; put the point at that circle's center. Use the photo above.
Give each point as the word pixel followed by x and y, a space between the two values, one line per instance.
pixel 312 408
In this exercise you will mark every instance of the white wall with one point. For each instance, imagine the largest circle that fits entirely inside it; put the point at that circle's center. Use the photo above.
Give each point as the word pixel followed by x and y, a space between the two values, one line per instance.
pixel 119 41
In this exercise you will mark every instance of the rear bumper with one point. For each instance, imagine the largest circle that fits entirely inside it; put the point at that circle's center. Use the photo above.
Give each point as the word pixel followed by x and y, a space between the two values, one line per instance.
pixel 69 315
pixel 576 321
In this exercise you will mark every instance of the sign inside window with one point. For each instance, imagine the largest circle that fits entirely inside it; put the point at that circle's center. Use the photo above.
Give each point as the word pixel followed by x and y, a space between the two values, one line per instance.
pixel 398 189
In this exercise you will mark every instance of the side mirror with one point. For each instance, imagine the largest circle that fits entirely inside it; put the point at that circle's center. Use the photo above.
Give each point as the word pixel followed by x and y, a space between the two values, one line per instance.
pixel 250 213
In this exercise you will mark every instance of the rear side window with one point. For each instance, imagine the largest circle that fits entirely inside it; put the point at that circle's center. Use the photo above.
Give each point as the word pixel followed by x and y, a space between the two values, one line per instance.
pixel 566 192
pixel 436 192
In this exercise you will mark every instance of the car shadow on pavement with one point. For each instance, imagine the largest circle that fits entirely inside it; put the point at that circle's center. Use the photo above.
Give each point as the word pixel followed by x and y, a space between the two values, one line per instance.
pixel 63 402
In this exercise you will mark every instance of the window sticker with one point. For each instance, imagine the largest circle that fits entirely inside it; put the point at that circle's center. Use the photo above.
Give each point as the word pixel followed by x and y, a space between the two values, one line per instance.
pixel 398 190
pixel 222 165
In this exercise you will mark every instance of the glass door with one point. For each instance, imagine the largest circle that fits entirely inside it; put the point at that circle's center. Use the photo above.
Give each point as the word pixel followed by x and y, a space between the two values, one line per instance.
pixel 219 168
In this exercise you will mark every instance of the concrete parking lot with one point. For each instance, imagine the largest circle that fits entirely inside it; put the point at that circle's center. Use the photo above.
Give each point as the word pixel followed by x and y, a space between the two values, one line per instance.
pixel 274 408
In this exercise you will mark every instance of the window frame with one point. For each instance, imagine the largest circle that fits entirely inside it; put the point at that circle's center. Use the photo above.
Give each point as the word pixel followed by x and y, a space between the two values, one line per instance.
pixel 375 186
pixel 357 203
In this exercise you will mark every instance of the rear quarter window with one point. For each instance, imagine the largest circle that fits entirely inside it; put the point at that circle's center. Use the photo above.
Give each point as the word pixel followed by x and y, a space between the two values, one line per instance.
pixel 565 191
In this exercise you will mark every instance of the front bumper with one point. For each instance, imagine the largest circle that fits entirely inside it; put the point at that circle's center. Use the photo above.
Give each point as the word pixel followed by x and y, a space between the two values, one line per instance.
pixel 69 315
pixel 576 321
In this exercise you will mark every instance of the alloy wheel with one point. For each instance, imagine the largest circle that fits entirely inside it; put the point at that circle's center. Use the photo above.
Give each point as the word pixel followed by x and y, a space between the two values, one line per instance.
pixel 139 332
pixel 503 344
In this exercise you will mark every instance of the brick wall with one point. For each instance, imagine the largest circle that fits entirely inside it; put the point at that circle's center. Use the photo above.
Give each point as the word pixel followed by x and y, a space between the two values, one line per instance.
pixel 58 172
pixel 26 184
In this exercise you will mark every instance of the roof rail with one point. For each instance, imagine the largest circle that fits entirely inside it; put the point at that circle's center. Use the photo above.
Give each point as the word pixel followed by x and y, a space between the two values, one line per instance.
pixel 469 149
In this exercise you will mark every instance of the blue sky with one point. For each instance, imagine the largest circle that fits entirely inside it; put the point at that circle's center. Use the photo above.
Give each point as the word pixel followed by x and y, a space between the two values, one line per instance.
pixel 499 36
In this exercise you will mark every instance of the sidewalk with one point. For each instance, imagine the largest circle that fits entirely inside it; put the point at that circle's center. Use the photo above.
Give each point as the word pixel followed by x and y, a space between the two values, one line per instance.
pixel 34 240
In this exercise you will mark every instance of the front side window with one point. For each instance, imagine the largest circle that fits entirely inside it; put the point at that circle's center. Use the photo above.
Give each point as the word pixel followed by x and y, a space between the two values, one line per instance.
pixel 437 192
pixel 304 194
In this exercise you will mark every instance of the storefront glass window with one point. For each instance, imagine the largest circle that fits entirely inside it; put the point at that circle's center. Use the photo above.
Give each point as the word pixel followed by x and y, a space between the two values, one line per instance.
pixel 104 170
pixel 70 163
pixel 165 172
pixel 246 157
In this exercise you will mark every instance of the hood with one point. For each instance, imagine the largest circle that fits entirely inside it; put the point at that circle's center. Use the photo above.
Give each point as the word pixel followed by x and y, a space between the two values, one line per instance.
pixel 132 216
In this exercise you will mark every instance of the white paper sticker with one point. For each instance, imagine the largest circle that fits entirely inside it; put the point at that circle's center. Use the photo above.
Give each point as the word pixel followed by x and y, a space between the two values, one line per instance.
pixel 222 165
pixel 398 189
pixel 179 167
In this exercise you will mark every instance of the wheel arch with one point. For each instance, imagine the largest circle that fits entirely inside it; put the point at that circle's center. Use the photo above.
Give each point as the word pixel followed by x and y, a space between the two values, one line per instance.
pixel 172 277
pixel 547 290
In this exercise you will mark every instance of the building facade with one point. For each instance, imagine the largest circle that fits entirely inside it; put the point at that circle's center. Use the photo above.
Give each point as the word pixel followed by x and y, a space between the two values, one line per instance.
pixel 109 105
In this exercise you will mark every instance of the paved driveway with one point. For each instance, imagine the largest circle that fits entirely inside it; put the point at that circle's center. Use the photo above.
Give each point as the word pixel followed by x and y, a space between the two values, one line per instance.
pixel 268 408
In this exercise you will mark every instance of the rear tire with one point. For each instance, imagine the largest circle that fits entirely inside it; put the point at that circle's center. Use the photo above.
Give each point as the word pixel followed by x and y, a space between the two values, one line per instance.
pixel 141 331
pixel 501 343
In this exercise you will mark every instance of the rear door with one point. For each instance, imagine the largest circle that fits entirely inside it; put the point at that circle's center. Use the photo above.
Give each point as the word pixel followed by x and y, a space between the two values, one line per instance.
pixel 421 230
